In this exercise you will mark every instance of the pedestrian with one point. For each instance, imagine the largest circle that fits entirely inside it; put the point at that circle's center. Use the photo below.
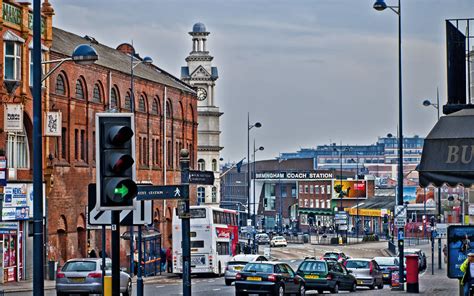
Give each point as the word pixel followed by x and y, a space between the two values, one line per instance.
pixel 105 254
pixel 468 269
pixel 169 259
pixel 92 253
pixel 163 259
pixel 445 253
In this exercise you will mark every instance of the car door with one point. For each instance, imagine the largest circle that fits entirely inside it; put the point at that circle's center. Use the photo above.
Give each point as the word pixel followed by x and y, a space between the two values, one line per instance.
pixel 348 278
pixel 338 274
pixel 294 278
pixel 378 274
pixel 286 278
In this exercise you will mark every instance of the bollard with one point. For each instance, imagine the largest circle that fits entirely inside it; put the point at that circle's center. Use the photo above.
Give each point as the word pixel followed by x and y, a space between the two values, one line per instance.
pixel 412 274
pixel 107 285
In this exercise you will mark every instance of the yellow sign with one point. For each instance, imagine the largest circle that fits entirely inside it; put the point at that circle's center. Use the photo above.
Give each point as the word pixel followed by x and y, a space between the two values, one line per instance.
pixel 366 212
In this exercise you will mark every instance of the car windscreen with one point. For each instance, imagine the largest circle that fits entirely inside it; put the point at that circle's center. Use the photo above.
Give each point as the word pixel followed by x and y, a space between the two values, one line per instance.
pixel 78 266
pixel 313 266
pixel 236 263
pixel 258 267
pixel 331 255
pixel 386 261
pixel 357 264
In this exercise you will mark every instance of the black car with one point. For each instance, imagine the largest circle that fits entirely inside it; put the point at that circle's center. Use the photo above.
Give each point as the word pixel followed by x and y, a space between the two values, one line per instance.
pixel 388 265
pixel 326 275
pixel 274 278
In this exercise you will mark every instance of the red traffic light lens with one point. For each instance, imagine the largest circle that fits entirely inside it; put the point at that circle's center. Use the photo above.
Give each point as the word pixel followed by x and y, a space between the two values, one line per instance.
pixel 121 162
pixel 120 134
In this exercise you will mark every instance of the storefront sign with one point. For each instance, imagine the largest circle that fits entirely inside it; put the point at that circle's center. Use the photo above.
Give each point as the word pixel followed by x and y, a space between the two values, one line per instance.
pixel 53 124
pixel 8 227
pixel 15 195
pixel 13 121
pixel 367 212
pixel 294 175
pixel 16 213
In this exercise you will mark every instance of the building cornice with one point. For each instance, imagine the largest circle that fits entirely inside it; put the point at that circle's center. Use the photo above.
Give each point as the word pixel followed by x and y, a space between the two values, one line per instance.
pixel 210 113
pixel 210 148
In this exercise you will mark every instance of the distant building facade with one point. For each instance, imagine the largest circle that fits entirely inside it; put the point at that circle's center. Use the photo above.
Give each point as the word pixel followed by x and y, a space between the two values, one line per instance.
pixel 200 73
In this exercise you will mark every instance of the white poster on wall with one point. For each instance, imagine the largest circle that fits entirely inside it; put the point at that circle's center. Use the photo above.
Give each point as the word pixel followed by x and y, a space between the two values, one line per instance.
pixel 13 121
pixel 53 124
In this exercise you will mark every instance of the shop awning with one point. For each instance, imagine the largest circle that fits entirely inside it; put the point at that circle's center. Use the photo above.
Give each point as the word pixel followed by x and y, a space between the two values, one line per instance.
pixel 448 151
pixel 323 212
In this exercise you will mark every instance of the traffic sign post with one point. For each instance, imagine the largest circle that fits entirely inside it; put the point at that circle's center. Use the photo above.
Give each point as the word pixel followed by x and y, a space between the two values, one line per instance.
pixel 186 223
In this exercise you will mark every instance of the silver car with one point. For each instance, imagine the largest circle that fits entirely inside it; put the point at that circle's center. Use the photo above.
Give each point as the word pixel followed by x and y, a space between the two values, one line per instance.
pixel 237 263
pixel 84 275
pixel 367 272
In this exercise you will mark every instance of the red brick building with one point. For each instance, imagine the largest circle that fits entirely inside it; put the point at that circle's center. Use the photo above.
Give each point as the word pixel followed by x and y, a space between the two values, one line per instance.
pixel 78 92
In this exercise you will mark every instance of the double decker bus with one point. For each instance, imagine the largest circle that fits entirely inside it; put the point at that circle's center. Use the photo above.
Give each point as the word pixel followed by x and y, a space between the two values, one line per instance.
pixel 214 239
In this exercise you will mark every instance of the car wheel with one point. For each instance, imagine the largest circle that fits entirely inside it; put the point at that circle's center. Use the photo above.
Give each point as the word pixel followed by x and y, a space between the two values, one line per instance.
pixel 320 291
pixel 301 291
pixel 335 290
pixel 380 287
pixel 281 291
pixel 238 293
pixel 354 287
pixel 228 282
pixel 372 286
pixel 128 292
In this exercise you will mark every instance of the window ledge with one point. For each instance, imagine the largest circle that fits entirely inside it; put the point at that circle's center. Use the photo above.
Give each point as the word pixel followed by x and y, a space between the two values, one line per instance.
pixel 157 168
pixel 143 167
pixel 81 164
pixel 62 163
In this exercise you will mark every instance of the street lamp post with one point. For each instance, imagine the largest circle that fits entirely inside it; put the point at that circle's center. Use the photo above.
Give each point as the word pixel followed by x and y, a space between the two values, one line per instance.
pixel 261 148
pixel 82 54
pixel 249 127
pixel 357 205
pixel 341 193
pixel 134 62
pixel 381 5
pixel 427 103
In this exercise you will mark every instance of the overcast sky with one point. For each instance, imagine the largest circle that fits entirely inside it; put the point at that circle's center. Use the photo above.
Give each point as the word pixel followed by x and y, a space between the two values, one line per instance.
pixel 311 71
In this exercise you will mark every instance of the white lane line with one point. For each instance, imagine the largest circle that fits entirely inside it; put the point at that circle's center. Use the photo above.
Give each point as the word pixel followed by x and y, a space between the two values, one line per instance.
pixel 159 287
pixel 216 289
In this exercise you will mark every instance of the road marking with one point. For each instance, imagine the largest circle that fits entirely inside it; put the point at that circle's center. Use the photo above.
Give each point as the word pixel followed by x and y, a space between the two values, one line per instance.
pixel 159 287
pixel 216 289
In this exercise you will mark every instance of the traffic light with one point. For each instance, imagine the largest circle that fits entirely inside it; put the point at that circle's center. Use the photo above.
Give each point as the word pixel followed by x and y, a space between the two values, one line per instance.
pixel 115 153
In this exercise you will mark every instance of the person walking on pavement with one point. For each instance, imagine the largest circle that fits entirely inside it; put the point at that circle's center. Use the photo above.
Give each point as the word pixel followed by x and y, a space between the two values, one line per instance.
pixel 445 253
pixel 169 259
pixel 468 269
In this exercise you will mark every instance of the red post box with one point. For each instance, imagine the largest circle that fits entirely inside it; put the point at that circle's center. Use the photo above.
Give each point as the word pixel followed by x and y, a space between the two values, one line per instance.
pixel 412 274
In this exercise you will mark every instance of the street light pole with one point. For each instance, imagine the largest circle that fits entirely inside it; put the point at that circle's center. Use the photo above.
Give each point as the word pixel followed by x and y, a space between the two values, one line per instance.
pixel 249 127
pixel 381 5
pixel 254 172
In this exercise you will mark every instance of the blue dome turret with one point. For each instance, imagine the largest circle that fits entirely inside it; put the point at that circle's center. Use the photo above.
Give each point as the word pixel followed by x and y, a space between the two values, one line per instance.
pixel 199 28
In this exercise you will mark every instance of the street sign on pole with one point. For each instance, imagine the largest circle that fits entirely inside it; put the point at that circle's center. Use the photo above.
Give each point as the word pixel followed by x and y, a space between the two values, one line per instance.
pixel 149 192
pixel 201 177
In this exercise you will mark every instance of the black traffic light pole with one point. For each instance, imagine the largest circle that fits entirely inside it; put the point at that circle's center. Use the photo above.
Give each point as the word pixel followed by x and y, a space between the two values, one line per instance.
pixel 115 253
pixel 185 225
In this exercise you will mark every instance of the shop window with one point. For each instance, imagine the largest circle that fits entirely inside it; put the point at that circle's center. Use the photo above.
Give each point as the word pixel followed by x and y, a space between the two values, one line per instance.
pixel 12 60
pixel 17 150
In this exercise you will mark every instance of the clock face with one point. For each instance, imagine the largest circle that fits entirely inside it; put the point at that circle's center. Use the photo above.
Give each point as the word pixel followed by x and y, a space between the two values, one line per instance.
pixel 201 94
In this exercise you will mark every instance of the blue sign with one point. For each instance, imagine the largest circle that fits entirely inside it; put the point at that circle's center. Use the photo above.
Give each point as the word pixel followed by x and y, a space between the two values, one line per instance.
pixel 460 243
pixel 401 235
pixel 150 192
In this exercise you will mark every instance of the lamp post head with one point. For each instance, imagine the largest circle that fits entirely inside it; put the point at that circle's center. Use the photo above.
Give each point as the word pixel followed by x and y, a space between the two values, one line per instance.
pixel 389 135
pixel 258 124
pixel 84 54
pixel 380 5
pixel 261 148
pixel 147 60
pixel 426 103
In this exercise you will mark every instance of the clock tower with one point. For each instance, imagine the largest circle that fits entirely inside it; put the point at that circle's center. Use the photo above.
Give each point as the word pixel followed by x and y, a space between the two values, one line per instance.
pixel 200 73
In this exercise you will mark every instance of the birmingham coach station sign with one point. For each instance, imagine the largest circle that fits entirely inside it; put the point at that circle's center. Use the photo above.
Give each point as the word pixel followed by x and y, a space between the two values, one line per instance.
pixel 294 175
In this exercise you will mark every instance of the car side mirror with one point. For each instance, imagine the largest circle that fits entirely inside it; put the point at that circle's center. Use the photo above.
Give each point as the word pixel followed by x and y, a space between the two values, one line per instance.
pixel 349 271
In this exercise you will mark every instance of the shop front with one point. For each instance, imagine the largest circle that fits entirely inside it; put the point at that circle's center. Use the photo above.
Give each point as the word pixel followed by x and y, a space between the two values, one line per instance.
pixel 315 219
pixel 369 221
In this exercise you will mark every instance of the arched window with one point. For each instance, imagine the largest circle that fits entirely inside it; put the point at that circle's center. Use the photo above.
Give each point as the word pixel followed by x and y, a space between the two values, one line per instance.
pixel 60 85
pixel 169 109
pixel 114 99
pixel 141 104
pixel 201 165
pixel 214 194
pixel 214 165
pixel 80 94
pixel 154 107
pixel 97 95
pixel 127 102
pixel 201 195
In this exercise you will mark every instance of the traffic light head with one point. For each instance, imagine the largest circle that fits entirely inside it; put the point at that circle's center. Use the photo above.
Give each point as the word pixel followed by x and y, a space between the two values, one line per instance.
pixel 115 153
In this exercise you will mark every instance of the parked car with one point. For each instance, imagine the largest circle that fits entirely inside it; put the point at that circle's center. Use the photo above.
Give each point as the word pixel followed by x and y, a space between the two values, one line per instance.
pixel 84 275
pixel 367 272
pixel 388 265
pixel 262 238
pixel 322 275
pixel 335 255
pixel 278 241
pixel 421 257
pixel 274 278
pixel 237 263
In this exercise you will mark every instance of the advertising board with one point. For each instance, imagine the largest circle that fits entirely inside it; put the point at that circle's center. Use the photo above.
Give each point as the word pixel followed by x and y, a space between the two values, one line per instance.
pixel 348 189
pixel 460 243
